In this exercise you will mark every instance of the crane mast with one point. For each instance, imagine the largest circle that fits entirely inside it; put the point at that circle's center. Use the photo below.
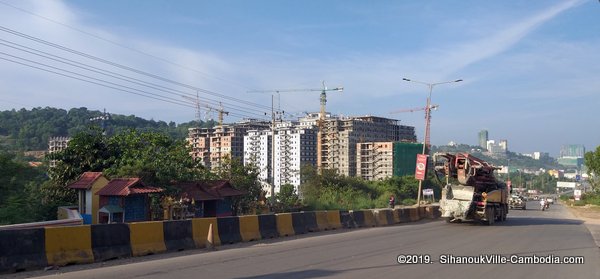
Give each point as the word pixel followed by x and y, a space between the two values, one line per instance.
pixel 321 120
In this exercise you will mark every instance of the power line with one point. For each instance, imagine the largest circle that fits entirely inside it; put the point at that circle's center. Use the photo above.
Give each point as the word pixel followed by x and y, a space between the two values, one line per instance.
pixel 124 46
pixel 104 83
pixel 111 74
pixel 98 59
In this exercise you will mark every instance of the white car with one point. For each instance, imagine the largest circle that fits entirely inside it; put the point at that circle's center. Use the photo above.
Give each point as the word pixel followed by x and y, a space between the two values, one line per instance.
pixel 550 200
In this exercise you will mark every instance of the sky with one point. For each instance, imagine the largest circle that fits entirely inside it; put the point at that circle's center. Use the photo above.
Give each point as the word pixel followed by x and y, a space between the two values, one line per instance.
pixel 530 69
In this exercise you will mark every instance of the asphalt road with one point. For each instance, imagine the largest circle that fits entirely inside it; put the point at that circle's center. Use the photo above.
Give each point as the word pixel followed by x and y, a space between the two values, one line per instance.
pixel 373 253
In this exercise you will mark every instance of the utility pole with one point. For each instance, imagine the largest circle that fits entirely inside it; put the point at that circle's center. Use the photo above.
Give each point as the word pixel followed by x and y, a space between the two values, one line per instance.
pixel 102 118
pixel 428 108
pixel 272 147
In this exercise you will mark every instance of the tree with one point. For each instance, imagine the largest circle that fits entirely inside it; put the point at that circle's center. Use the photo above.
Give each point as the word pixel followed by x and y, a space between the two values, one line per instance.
pixel 287 198
pixel 154 157
pixel 19 188
pixel 592 162
pixel 244 178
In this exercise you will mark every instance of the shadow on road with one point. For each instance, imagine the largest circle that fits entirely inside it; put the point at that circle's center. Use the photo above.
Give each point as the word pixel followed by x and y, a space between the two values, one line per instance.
pixel 313 273
pixel 534 221
pixel 310 273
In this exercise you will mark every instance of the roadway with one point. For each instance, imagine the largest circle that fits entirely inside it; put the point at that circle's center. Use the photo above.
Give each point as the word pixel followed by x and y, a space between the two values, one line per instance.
pixel 373 253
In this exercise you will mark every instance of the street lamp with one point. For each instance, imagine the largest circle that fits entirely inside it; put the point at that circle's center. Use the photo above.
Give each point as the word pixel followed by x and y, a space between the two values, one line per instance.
pixel 427 121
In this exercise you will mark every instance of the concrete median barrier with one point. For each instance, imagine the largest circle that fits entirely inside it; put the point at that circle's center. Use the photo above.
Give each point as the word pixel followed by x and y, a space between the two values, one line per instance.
pixel 249 229
pixel 200 227
pixel 229 229
pixel 363 218
pixel 178 235
pixel 333 219
pixel 22 249
pixel 147 238
pixel 110 241
pixel 430 212
pixel 383 217
pixel 396 215
pixel 413 214
pixel 267 225
pixel 310 220
pixel 68 245
pixel 422 212
pixel 285 226
pixel 347 220
pixel 358 218
pixel 299 223
pixel 322 221
pixel 369 218
pixel 403 214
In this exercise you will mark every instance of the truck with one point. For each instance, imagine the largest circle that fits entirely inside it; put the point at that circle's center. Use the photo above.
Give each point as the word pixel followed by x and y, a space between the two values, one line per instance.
pixel 471 191
pixel 517 201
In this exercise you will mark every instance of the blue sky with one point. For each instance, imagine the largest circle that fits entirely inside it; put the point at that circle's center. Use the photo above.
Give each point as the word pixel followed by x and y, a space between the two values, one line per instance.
pixel 530 68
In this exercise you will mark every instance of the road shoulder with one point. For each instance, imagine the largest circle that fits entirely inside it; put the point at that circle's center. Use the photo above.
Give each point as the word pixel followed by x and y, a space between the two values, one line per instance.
pixel 590 215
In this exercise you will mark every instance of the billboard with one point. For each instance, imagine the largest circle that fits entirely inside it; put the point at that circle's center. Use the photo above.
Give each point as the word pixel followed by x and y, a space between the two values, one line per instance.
pixel 564 184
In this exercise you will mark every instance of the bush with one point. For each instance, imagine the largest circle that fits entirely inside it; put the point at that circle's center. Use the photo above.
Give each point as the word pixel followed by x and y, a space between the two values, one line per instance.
pixel 591 198
pixel 409 202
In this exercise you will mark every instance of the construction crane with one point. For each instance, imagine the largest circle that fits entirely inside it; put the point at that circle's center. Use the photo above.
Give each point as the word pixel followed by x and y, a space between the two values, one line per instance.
pixel 196 102
pixel 323 101
pixel 427 118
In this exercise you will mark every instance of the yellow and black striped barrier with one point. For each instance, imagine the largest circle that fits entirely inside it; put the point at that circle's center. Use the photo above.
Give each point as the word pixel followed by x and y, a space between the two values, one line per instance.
pixel 25 249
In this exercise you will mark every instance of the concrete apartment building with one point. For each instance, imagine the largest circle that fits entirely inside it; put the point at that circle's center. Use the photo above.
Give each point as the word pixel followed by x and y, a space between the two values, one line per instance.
pixel 341 136
pixel 199 140
pixel 210 146
pixel 257 152
pixel 295 146
pixel 56 144
pixel 374 160
pixel 381 160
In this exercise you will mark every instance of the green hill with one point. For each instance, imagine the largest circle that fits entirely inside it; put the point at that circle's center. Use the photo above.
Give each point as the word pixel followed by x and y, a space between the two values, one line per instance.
pixel 25 130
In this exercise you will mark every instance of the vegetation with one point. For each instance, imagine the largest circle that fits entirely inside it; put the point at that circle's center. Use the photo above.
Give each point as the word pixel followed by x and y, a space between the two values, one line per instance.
pixel 287 199
pixel 592 162
pixel 26 130
pixel 330 190
pixel 19 191
pixel 243 178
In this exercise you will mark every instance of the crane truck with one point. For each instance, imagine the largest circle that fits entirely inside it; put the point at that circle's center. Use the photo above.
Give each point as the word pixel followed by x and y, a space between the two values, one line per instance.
pixel 474 193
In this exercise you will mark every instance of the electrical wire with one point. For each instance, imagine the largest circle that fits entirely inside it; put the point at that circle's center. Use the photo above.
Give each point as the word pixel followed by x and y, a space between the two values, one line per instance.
pixel 123 46
pixel 63 48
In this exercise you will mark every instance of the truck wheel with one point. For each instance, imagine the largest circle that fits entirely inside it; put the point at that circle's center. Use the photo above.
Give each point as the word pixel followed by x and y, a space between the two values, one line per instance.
pixel 498 217
pixel 489 214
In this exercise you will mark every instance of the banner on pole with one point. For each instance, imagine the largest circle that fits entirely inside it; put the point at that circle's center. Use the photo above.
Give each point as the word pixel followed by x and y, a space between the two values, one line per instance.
pixel 421 167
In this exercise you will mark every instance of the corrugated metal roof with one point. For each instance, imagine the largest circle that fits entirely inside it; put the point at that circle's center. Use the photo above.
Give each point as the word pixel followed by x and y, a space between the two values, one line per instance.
pixel 86 180
pixel 126 187
pixel 208 190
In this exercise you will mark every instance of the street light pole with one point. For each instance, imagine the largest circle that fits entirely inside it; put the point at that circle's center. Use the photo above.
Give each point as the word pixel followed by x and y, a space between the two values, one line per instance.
pixel 426 141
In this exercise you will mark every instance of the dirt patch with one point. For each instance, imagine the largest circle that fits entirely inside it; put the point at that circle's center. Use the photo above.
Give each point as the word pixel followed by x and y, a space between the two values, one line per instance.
pixel 587 213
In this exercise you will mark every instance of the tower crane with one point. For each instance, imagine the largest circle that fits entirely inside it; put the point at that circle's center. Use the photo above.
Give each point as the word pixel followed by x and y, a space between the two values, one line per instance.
pixel 221 112
pixel 427 118
pixel 323 102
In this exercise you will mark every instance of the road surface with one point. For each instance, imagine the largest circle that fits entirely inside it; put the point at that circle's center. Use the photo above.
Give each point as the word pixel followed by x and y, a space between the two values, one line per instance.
pixel 374 252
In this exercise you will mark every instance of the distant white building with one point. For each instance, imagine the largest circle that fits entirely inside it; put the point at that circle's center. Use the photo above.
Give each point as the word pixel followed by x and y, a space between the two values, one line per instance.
pixel 57 144
pixel 295 146
pixel 257 152
pixel 499 148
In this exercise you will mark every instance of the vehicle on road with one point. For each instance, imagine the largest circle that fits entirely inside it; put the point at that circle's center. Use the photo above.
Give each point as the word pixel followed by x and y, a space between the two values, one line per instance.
pixel 544 204
pixel 516 201
pixel 550 200
pixel 477 196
